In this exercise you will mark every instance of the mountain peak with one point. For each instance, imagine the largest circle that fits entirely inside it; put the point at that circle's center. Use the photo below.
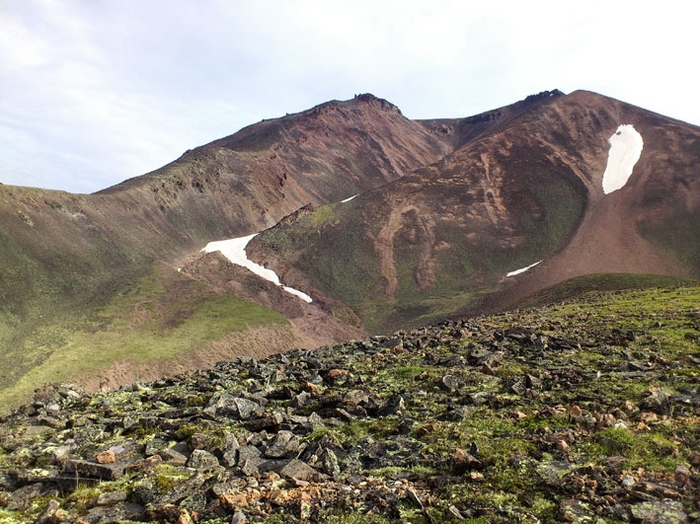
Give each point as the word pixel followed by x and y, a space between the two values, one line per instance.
pixel 380 103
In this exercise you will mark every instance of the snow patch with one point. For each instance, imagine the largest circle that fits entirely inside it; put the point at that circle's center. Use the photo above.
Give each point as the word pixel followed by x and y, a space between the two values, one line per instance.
pixel 626 146
pixel 234 250
pixel 522 270
pixel 347 199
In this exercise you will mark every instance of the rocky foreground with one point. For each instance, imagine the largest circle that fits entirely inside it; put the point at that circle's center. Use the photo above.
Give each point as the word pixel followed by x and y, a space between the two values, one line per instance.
pixel 584 412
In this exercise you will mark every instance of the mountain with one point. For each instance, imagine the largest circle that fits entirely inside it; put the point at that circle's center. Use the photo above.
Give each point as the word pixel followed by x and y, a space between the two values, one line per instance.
pixel 385 222
pixel 442 240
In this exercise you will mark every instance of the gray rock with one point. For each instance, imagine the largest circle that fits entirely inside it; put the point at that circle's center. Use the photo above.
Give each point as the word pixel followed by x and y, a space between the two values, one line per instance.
pixel 296 469
pixel 329 462
pixel 110 498
pixel 93 470
pixel 525 383
pixel 123 511
pixel 573 510
pixel 285 444
pixel 239 518
pixel 249 459
pixel 301 399
pixel 229 451
pixel 155 447
pixel 48 515
pixel 395 405
pixel 659 512
pixel 452 382
pixel 270 422
pixel 184 489
pixel 223 404
pixel 203 460
pixel 201 441
pixel 22 497
pixel 173 457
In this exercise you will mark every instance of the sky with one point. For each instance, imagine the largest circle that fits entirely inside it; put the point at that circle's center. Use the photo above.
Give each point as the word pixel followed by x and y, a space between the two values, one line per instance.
pixel 93 92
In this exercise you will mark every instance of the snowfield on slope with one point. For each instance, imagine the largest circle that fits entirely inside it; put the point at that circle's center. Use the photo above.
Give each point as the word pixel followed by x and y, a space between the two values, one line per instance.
pixel 626 146
pixel 234 250
pixel 522 269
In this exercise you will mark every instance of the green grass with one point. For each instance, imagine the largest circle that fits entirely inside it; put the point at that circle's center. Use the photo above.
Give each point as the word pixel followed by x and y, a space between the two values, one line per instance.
pixel 588 284
pixel 160 317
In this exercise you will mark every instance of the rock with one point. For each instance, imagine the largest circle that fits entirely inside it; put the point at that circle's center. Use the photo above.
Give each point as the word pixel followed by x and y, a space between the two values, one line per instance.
pixel 201 441
pixel 296 469
pixel 526 383
pixel 184 489
pixel 462 461
pixel 336 376
pixel 659 512
pixel 682 473
pixel 173 457
pixel 285 444
pixel 657 402
pixel 573 510
pixel 233 499
pixel 455 513
pixel 269 422
pixel 121 512
pixel 239 518
pixel 93 470
pixel 249 459
pixel 230 450
pixel 110 498
pixel 48 516
pixel 329 463
pixel 395 405
pixel 145 465
pixel 356 397
pixel 694 458
pixel 223 404
pixel 184 517
pixel 106 457
pixel 628 481
pixel 301 399
pixel 451 382
pixel 202 460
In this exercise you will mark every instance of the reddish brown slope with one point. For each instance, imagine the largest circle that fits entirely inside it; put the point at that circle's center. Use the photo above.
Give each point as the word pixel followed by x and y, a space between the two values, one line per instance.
pixel 440 240
pixel 631 230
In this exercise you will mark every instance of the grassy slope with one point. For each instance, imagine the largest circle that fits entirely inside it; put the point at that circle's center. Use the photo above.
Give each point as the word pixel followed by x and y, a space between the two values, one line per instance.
pixel 159 317
pixel 590 284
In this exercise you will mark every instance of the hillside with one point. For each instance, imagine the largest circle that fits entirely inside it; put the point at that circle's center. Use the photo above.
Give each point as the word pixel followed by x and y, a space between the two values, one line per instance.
pixel 587 411
pixel 383 222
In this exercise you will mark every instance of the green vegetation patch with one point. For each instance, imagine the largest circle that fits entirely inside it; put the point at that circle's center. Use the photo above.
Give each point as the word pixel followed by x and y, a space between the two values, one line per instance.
pixel 158 317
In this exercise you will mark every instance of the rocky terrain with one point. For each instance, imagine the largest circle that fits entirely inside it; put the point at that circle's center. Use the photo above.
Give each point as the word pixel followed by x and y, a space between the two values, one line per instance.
pixel 588 411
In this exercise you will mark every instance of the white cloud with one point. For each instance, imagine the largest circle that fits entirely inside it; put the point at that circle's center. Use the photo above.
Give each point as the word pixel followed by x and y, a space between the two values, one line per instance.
pixel 96 92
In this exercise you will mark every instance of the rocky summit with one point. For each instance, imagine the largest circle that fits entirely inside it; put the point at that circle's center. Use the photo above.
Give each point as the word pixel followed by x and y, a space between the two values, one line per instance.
pixel 588 411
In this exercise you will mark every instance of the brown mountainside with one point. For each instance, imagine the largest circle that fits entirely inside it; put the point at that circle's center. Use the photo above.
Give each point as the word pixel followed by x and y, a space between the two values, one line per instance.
pixel 441 240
